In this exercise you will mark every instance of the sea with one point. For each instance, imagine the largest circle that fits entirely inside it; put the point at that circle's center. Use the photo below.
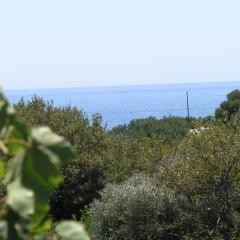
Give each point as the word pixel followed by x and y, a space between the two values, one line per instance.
pixel 121 104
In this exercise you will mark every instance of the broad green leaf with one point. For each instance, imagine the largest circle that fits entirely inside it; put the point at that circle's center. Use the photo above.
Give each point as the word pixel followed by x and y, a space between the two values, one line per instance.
pixel 20 199
pixel 69 230
pixel 35 173
pixel 17 137
pixel 15 168
pixel 53 142
pixel 41 171
pixel 2 168
pixel 42 176
pixel 11 130
pixel 42 227
pixel 3 112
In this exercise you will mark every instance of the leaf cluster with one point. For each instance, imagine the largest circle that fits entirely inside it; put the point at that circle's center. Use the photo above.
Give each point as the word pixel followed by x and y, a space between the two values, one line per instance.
pixel 31 176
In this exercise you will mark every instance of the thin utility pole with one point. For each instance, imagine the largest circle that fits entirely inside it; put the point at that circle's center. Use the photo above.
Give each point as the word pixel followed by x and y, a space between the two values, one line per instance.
pixel 188 114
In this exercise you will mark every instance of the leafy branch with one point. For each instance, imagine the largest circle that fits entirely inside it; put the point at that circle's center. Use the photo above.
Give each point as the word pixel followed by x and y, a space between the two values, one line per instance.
pixel 32 175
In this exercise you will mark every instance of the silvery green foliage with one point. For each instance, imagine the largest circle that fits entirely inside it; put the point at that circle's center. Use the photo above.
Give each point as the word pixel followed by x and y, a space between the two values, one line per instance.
pixel 135 209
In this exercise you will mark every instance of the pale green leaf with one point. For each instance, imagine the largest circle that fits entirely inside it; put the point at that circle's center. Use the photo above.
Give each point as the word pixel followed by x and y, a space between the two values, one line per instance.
pixel 53 142
pixel 20 199
pixel 69 230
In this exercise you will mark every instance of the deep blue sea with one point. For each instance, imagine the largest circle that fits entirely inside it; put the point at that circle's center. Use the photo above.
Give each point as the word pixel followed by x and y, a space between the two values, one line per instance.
pixel 119 105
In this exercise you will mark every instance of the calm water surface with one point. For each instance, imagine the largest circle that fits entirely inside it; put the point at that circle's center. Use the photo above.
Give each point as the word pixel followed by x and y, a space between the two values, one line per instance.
pixel 119 105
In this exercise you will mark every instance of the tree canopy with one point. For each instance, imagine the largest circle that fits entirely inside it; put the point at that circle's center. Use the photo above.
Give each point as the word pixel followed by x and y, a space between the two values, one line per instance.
pixel 229 107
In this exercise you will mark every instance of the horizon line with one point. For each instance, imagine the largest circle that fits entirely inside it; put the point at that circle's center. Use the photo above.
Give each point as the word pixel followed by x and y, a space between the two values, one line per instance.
pixel 115 86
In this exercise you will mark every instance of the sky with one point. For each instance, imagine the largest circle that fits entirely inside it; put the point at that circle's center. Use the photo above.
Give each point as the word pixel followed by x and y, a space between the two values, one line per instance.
pixel 78 43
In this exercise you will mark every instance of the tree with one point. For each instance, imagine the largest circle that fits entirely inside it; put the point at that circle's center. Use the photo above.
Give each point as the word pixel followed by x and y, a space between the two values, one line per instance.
pixel 229 107
pixel 136 209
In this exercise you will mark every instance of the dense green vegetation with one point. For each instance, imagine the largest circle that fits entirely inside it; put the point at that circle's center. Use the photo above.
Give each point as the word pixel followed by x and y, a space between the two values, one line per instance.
pixel 32 174
pixel 169 128
pixel 84 175
pixel 172 178
pixel 135 209
pixel 229 107
pixel 101 157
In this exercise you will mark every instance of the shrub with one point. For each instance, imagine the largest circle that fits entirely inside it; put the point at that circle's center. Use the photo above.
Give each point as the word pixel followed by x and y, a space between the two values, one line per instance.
pixel 127 157
pixel 205 170
pixel 81 186
pixel 171 129
pixel 84 176
pixel 135 209
pixel 229 107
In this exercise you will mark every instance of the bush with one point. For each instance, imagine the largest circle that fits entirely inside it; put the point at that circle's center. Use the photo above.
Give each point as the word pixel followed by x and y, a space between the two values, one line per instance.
pixel 171 129
pixel 81 186
pixel 128 157
pixel 84 176
pixel 205 170
pixel 135 209
pixel 229 107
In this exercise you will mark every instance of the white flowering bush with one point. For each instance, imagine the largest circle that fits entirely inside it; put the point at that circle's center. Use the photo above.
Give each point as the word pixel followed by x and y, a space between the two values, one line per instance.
pixel 135 209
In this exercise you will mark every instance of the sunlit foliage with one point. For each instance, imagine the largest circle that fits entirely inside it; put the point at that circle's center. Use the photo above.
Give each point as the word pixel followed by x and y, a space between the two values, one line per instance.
pixel 31 175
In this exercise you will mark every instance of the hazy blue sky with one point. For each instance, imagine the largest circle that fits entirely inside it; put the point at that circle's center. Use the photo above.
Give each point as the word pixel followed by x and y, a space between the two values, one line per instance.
pixel 56 43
